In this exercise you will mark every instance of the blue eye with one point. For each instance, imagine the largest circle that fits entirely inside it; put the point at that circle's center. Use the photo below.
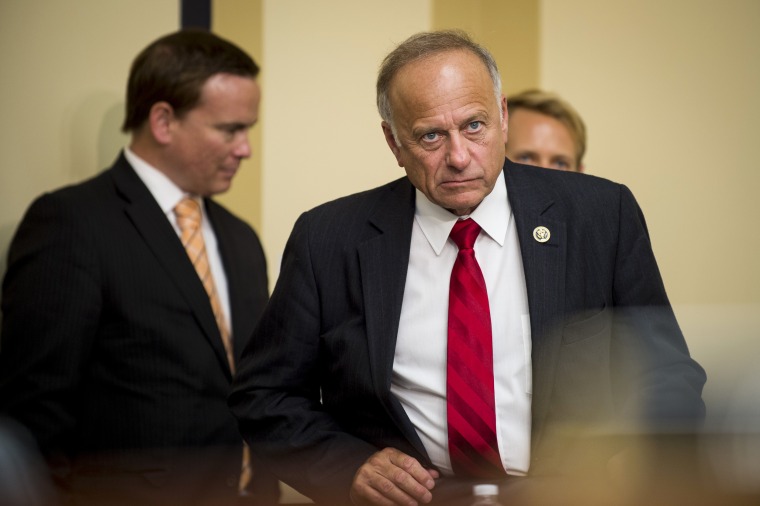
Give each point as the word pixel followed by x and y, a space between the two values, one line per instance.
pixel 474 125
pixel 431 136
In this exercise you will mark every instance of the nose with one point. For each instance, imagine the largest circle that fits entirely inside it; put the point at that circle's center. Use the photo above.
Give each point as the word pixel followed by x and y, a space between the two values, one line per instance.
pixel 243 147
pixel 457 155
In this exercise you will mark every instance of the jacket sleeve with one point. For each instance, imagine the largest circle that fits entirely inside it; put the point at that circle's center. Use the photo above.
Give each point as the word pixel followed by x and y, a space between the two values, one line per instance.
pixel 276 395
pixel 662 384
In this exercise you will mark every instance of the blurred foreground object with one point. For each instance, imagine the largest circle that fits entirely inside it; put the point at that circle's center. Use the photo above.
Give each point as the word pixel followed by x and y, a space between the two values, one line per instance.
pixel 24 480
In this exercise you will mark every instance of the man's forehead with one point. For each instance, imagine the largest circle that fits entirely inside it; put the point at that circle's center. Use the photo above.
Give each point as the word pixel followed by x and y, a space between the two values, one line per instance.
pixel 436 61
pixel 449 73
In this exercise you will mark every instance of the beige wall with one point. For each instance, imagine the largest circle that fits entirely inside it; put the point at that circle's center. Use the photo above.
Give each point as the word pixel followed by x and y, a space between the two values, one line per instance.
pixel 669 92
pixel 64 67
pixel 669 89
pixel 322 136
pixel 508 28
pixel 240 21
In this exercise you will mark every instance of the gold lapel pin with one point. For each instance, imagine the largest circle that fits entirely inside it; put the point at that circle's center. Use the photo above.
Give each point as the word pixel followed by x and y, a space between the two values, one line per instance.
pixel 541 234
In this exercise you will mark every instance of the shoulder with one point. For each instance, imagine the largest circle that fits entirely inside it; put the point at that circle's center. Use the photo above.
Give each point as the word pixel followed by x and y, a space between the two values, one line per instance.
pixel 359 206
pixel 352 219
pixel 559 180
pixel 570 190
pixel 72 202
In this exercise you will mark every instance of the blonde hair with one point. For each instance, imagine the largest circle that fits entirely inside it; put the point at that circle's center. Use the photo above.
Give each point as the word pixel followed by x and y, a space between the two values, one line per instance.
pixel 552 105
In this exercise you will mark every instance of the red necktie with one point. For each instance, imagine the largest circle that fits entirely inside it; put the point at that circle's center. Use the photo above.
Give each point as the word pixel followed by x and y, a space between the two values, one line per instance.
pixel 469 374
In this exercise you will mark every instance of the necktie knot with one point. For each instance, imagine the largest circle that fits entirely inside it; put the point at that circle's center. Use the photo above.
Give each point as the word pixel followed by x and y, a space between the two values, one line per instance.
pixel 464 233
pixel 188 213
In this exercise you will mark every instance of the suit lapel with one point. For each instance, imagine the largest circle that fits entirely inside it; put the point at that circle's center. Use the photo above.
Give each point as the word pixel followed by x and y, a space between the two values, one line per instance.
pixel 384 260
pixel 160 237
pixel 544 265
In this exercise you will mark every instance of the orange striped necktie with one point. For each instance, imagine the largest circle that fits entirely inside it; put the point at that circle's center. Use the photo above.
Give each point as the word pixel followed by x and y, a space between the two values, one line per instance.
pixel 188 213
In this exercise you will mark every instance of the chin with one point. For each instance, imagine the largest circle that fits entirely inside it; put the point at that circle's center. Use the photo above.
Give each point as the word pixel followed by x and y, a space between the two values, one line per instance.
pixel 460 210
pixel 221 188
pixel 460 207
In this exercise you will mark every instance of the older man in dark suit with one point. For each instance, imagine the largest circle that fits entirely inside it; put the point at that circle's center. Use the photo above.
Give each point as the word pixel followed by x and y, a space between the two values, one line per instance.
pixel 471 321
pixel 129 297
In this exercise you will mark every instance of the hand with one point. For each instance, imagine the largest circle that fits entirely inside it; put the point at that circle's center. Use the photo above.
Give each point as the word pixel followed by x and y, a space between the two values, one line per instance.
pixel 390 477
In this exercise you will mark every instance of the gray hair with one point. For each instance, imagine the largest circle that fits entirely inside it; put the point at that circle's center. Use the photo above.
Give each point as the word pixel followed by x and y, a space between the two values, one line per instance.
pixel 423 45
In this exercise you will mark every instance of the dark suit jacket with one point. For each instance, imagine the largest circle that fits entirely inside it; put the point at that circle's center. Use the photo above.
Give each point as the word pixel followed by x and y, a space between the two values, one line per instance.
pixel 110 352
pixel 313 390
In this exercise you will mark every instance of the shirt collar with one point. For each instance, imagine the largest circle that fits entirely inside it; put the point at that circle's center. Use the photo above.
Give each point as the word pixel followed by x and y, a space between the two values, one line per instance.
pixel 492 215
pixel 163 189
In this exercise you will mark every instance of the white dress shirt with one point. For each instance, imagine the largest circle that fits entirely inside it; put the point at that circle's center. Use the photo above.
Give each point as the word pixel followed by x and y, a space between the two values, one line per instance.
pixel 419 367
pixel 168 195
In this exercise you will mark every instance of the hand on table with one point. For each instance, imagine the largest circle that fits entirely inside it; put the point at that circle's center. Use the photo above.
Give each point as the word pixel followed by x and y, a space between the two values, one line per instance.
pixel 390 477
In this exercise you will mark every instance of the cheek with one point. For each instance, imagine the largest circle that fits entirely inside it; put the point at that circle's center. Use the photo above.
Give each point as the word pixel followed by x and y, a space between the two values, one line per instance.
pixel 426 172
pixel 415 175
pixel 212 154
pixel 201 162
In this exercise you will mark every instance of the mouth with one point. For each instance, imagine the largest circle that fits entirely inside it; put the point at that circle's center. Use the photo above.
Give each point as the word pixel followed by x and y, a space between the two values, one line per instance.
pixel 230 171
pixel 458 182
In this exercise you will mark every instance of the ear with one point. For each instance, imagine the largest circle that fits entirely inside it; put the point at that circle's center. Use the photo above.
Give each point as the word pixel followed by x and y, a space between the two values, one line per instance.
pixel 395 148
pixel 504 119
pixel 161 119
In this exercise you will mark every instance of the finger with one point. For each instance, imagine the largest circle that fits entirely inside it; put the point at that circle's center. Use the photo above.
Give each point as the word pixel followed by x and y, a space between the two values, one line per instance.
pixel 365 496
pixel 410 487
pixel 414 469
pixel 371 487
pixel 404 473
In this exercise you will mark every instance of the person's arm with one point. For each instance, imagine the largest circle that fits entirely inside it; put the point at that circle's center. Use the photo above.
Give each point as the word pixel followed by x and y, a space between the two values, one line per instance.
pixel 661 384
pixel 309 339
pixel 51 306
pixel 276 394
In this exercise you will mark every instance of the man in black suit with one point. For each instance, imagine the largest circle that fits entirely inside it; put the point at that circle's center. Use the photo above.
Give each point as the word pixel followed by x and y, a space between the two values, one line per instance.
pixel 343 390
pixel 112 355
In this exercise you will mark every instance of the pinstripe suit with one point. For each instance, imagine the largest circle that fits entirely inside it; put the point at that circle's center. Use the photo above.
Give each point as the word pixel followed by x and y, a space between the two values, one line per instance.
pixel 313 390
pixel 110 352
